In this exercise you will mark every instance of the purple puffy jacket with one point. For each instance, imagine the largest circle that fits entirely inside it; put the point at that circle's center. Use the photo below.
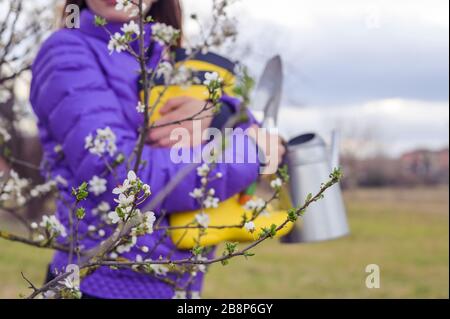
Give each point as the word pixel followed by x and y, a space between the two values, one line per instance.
pixel 78 87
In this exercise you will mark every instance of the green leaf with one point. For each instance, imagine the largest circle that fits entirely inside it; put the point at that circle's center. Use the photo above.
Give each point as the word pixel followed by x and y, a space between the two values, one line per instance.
pixel 120 212
pixel 248 254
pixel 231 247
pixel 273 230
pixel 120 158
pixel 283 173
pixel 336 175
pixel 99 21
pixel 81 212
pixel 197 251
pixel 292 215
pixel 81 192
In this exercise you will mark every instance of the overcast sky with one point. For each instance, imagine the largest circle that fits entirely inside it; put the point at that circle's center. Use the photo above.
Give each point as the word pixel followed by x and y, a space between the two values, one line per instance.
pixel 361 65
pixel 375 69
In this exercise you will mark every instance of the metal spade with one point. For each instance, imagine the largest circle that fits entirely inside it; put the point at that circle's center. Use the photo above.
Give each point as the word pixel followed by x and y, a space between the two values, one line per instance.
pixel 267 96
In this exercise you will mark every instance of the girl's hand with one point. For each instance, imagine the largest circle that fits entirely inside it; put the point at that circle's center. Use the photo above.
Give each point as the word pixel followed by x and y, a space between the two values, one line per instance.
pixel 271 145
pixel 182 110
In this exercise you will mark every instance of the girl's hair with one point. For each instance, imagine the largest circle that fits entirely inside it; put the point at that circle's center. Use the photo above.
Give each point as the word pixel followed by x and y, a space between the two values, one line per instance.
pixel 163 11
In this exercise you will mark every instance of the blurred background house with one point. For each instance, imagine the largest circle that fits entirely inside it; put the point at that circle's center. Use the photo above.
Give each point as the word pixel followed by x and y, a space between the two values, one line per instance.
pixel 415 168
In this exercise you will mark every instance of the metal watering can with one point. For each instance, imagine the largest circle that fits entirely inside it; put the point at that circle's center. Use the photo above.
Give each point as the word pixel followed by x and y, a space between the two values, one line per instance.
pixel 310 163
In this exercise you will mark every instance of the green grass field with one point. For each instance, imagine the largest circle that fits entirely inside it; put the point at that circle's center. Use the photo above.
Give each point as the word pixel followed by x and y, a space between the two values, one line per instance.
pixel 405 232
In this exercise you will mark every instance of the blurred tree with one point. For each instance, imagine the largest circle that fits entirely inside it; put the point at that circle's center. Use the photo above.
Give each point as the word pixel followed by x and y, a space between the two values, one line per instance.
pixel 23 26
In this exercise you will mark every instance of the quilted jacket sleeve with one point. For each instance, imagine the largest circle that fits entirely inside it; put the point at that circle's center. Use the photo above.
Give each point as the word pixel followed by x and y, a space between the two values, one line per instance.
pixel 71 98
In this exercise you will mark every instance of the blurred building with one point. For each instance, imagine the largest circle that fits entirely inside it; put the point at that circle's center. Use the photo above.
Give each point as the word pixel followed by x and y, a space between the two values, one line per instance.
pixel 427 166
pixel 418 167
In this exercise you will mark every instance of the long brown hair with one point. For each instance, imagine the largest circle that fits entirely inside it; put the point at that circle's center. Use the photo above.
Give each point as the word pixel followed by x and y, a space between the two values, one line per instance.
pixel 163 11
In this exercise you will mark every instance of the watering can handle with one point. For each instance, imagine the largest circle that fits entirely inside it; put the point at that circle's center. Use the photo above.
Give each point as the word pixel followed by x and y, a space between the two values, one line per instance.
pixel 335 148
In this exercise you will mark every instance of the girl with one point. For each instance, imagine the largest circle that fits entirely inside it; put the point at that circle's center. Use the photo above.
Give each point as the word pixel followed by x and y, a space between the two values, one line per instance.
pixel 78 87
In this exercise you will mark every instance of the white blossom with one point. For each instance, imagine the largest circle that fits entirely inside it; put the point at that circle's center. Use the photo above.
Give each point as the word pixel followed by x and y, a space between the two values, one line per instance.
pixel 182 75
pixel 211 77
pixel 131 27
pixel 131 176
pixel 179 294
pixel 197 193
pixel 159 269
pixel 113 255
pixel 117 43
pixel 58 148
pixel 88 141
pixel 164 34
pixel 103 207
pixel 201 267
pixel 114 217
pixel 5 95
pixel 14 188
pixel 211 202
pixel 255 204
pixel 49 294
pixel 140 108
pixel 53 226
pixel 134 12
pixel 4 135
pixel 97 185
pixel 146 189
pixel 202 219
pixel 128 6
pixel 203 170
pixel 104 142
pixel 127 183
pixel 34 225
pixel 165 69
pixel 145 249
pixel 148 222
pixel 226 28
pixel 122 188
pixel 126 248
pixel 124 201
pixel 106 133
pixel 195 295
pixel 69 283
pixel 276 183
pixel 42 189
pixel 123 5
pixel 250 226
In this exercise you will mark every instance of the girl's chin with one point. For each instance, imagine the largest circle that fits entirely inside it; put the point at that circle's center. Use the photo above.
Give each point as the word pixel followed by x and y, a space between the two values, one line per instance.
pixel 115 16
